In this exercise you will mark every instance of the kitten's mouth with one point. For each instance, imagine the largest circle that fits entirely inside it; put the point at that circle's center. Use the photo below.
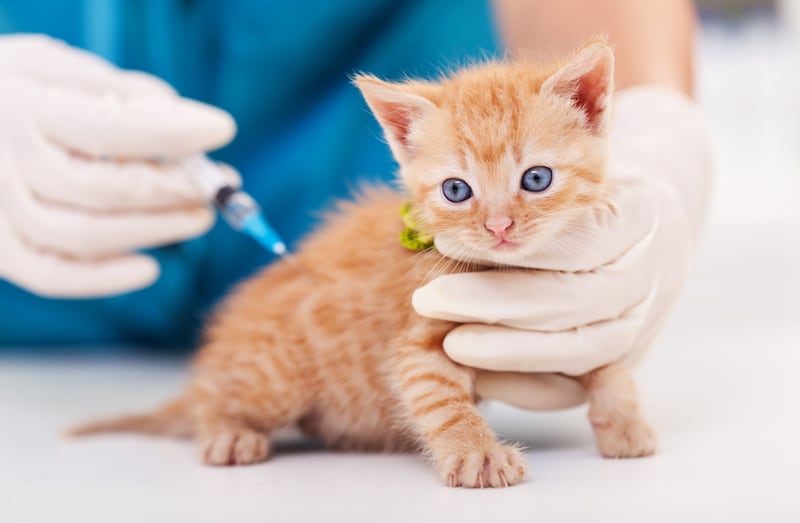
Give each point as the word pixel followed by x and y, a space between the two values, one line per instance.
pixel 505 245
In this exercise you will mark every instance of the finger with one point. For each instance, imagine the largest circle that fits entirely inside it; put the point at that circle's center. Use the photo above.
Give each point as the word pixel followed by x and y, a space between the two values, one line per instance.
pixel 53 277
pixel 52 61
pixel 85 235
pixel 597 238
pixel 531 391
pixel 82 234
pixel 47 274
pixel 144 128
pixel 573 352
pixel 540 300
pixel 60 177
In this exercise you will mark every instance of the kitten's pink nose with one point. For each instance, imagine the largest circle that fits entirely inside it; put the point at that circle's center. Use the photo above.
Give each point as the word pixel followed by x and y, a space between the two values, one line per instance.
pixel 499 225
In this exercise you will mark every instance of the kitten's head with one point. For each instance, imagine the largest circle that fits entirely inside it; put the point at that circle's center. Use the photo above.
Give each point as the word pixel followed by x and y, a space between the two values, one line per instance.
pixel 500 157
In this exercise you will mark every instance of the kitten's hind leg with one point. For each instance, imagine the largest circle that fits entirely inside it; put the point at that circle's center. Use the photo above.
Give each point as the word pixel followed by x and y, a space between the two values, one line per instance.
pixel 438 397
pixel 244 392
pixel 235 418
pixel 619 426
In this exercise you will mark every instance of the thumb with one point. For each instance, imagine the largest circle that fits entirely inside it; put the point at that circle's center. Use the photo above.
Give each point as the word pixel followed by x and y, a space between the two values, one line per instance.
pixel 530 391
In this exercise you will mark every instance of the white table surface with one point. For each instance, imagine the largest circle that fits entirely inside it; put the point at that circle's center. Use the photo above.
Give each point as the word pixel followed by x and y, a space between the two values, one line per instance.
pixel 721 386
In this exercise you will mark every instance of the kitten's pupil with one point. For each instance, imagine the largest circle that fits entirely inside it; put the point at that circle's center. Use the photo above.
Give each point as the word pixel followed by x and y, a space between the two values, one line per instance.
pixel 456 190
pixel 537 179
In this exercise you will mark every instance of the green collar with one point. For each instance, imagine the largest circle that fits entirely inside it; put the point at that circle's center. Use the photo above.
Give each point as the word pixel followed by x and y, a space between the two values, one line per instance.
pixel 411 237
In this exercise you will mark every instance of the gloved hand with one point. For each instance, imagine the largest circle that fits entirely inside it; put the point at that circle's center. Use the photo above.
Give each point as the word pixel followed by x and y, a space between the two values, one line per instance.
pixel 79 188
pixel 607 287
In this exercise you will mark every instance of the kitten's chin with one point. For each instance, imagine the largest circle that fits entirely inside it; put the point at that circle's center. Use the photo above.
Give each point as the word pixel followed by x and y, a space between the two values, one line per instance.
pixel 505 246
pixel 507 253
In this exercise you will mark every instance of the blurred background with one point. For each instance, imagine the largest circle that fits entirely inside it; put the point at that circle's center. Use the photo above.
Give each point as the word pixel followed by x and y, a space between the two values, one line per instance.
pixel 749 74
pixel 720 385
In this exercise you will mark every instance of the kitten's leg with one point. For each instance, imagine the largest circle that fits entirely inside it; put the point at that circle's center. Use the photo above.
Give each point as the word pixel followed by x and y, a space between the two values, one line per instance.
pixel 224 435
pixel 438 396
pixel 619 426
pixel 231 444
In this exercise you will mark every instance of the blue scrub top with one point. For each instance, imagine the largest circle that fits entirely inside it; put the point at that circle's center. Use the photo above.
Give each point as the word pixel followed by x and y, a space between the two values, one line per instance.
pixel 305 136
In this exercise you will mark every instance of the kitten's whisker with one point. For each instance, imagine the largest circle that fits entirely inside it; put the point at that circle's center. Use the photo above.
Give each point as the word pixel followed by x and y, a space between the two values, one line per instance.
pixel 433 270
pixel 421 257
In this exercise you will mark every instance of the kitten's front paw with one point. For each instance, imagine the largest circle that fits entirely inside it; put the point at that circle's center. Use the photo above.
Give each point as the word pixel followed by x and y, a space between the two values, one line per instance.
pixel 234 447
pixel 626 439
pixel 499 466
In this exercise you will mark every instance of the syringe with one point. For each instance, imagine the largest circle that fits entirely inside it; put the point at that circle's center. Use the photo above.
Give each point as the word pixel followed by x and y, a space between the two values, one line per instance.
pixel 236 207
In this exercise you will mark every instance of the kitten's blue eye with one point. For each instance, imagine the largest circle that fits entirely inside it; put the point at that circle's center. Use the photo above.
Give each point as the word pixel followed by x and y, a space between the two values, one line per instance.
pixel 456 190
pixel 537 179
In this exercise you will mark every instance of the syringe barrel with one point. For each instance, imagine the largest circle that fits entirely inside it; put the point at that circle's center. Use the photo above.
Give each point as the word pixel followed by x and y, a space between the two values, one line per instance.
pixel 236 207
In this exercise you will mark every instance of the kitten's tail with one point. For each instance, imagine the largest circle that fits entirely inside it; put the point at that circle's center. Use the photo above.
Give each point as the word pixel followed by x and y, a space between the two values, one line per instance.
pixel 172 419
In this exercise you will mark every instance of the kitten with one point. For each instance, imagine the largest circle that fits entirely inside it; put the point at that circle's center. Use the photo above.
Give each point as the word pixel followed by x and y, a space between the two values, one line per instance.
pixel 503 156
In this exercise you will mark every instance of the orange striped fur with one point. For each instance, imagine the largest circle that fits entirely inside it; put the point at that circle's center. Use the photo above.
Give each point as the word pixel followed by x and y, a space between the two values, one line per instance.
pixel 333 345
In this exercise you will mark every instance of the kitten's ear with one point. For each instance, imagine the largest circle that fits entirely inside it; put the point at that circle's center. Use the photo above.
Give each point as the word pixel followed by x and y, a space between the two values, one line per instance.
pixel 398 107
pixel 587 80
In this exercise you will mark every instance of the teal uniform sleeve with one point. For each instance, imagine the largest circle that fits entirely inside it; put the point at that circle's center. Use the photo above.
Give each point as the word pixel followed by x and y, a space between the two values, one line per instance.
pixel 305 136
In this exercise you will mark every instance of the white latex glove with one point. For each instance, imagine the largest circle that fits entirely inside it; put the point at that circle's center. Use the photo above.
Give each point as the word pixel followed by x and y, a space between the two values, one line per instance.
pixel 605 290
pixel 79 191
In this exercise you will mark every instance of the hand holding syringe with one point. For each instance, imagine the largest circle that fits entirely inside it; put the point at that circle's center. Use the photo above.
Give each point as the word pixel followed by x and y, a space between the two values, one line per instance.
pixel 236 207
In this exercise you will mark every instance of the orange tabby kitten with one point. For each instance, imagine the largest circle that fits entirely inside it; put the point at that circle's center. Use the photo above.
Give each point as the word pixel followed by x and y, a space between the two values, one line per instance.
pixel 504 154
